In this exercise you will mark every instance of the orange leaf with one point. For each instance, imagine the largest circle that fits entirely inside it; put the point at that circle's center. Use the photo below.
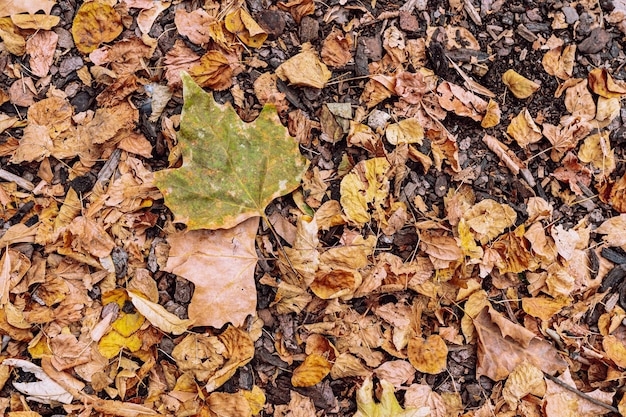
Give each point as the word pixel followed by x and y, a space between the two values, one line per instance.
pixel 520 86
pixel 428 355
pixel 310 372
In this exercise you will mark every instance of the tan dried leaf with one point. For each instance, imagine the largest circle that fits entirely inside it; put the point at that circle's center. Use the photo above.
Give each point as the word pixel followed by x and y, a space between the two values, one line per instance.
pixel 462 102
pixel 544 308
pixel 422 395
pixel 615 350
pixel 337 49
pixel 520 86
pixel 13 41
pixel 213 71
pixel 405 131
pixel 159 316
pixel 613 229
pixel 560 64
pixel 525 379
pixel 541 244
pixel 607 110
pixel 559 401
pixel 524 129
pixel 596 149
pixel 488 219
pixel 195 25
pixel 224 404
pixel 221 264
pixel 304 69
pixel 41 47
pixel 335 283
pixel 492 115
pixel 428 355
pixel 248 31
pixel 579 101
pixel 366 184
pixel 603 84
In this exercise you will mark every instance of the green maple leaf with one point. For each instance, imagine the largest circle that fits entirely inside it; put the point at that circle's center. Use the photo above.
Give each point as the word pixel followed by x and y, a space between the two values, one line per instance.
pixel 231 169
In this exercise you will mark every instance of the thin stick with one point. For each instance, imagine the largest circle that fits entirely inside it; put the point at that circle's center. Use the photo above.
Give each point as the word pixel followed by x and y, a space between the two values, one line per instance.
pixel 580 393
pixel 6 175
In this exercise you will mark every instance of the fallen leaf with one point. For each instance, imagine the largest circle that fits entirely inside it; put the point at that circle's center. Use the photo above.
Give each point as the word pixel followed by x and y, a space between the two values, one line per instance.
pixel 366 184
pixel 544 308
pixel 559 61
pixel 488 219
pixel 559 401
pixel 95 23
pixel 603 84
pixel 520 86
pixel 422 396
pixel 298 8
pixel 10 8
pixel 248 31
pixel 573 173
pixel 405 131
pixel 310 372
pixel 503 345
pixel 524 129
pixel 221 264
pixel 13 41
pixel 213 71
pixel 228 405
pixel 492 115
pixel 41 47
pixel 337 49
pixel 200 354
pixel 607 110
pixel 579 102
pixel 613 230
pixel 596 149
pixel 525 379
pixel 159 316
pixel 336 283
pixel 462 102
pixel 208 193
pixel 304 69
pixel 195 25
pixel 388 405
pixel 428 355
pixel 35 21
pixel 45 390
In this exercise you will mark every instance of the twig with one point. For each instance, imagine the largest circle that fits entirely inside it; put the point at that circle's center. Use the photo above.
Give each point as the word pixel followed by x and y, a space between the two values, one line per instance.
pixel 6 175
pixel 580 393
pixel 508 158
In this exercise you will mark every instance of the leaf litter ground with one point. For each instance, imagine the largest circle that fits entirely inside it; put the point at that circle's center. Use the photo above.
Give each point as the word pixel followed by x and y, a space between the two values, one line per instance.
pixel 456 241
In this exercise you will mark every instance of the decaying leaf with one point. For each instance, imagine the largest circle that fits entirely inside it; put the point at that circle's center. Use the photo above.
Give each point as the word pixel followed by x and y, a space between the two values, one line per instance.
pixel 388 405
pixel 559 401
pixel 158 315
pixel 428 355
pixel 405 131
pixel 231 169
pixel 366 184
pixel 524 129
pixel 95 23
pixel 596 149
pixel 310 372
pixel 492 115
pixel 488 219
pixel 559 61
pixel 247 30
pixel 304 69
pixel 214 71
pixel 603 84
pixel 525 379
pixel 221 265
pixel 520 86
pixel 336 49
pixel 45 390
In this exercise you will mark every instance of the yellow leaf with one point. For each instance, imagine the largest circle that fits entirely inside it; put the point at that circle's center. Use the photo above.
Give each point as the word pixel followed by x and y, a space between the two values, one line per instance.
pixel 520 86
pixel 112 343
pixel 310 372
pixel 365 184
pixel 604 85
pixel 247 30
pixel 405 131
pixel 159 316
pixel 95 23
pixel 524 130
pixel 428 355
pixel 468 244
pixel 256 399
pixel 596 149
pixel 202 355
pixel 607 110
pixel 523 380
pixel 12 40
pixel 388 405
pixel 492 115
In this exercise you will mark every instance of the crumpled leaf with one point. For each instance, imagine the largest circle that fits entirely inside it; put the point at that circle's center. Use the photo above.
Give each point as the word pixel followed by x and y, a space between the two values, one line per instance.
pixel 603 84
pixel 366 184
pixel 304 69
pixel 13 41
pixel 247 30
pixel 492 115
pixel 231 170
pixel 488 219
pixel 613 229
pixel 607 109
pixel 221 265
pixel 41 47
pixel 525 379
pixel 45 390
pixel 428 355
pixel 388 405
pixel 35 21
pixel 520 86
pixel 94 24
pixel 524 129
pixel 579 102
pixel 213 71
pixel 405 131
pixel 228 405
pixel 560 64
pixel 462 102
pixel 159 316
pixel 596 149
pixel 336 49
pixel 310 372
pixel 423 396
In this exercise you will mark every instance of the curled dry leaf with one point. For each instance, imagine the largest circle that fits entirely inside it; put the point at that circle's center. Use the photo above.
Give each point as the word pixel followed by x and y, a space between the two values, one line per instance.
pixel 596 149
pixel 310 372
pixel 579 102
pixel 45 390
pixel 603 84
pixel 488 219
pixel 200 354
pixel 405 131
pixel 615 350
pixel 525 379
pixel 304 69
pixel 336 283
pixel 520 86
pixel 560 64
pixel 613 229
pixel 213 71
pixel 35 21
pixel 94 24
pixel 462 102
pixel 492 115
pixel 13 41
pixel 298 8
pixel 428 355
pixel 523 129
pixel 572 172
pixel 159 316
pixel 248 31
pixel 607 110
pixel 337 49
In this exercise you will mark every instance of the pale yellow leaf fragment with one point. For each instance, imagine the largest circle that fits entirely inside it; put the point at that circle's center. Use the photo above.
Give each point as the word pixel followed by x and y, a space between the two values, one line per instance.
pixel 159 316
pixel 615 350
pixel 492 115
pixel 422 396
pixel 520 86
pixel 405 131
pixel 488 219
pixel 596 149
pixel 310 372
pixel 607 109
